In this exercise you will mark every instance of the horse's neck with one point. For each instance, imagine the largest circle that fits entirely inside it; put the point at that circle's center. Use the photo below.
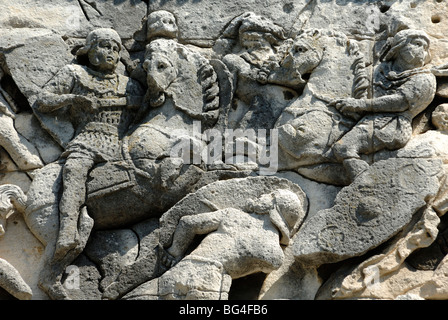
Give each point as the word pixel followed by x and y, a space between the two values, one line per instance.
pixel 334 77
pixel 169 117
pixel 327 85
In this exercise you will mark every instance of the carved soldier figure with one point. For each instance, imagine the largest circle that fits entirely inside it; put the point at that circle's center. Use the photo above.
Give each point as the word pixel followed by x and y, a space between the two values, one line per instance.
pixel 258 39
pixel 102 105
pixel 237 244
pixel 402 89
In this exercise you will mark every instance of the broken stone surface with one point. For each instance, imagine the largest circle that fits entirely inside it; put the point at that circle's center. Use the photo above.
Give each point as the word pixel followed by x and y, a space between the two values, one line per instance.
pixel 175 149
pixel 247 223
pixel 361 220
pixel 74 18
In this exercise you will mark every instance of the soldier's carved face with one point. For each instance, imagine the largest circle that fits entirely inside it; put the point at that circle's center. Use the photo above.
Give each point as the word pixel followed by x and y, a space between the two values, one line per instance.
pixel 105 55
pixel 162 24
pixel 415 52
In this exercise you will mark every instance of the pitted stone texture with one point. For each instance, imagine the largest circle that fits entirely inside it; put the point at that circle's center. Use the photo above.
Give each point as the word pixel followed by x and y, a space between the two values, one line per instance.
pixel 74 18
pixel 379 203
pixel 220 195
pixel 30 57
pixel 190 14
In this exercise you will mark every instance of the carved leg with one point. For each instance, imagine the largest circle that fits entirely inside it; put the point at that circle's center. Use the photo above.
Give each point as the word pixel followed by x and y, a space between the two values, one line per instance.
pixel 350 147
pixel 12 281
pixel 51 276
pixel 75 174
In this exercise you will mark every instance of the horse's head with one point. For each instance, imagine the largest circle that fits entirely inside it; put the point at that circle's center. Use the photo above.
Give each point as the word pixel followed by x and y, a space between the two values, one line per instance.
pixel 327 62
pixel 161 70
pixel 303 55
pixel 182 74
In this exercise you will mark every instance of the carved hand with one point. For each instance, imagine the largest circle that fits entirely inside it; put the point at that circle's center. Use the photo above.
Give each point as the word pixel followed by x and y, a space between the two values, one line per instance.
pixel 84 103
pixel 349 105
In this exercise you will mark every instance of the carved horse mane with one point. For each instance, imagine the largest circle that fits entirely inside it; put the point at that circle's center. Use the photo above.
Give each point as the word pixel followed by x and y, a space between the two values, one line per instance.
pixel 184 76
pixel 11 198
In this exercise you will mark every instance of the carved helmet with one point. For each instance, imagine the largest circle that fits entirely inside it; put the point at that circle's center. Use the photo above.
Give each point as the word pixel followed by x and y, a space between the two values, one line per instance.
pixel 394 44
pixel 249 21
pixel 286 210
pixel 95 36
pixel 288 214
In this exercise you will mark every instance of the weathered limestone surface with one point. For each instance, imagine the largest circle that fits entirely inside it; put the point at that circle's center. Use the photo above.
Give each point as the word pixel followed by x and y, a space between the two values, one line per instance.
pixel 165 150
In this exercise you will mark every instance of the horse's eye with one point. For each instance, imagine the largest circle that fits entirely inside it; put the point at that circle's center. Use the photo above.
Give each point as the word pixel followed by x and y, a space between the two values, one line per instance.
pixel 300 49
pixel 161 66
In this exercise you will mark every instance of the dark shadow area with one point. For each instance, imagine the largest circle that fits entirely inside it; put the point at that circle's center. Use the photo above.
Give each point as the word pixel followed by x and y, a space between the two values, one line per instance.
pixel 247 288
pixel 4 295
pixel 7 83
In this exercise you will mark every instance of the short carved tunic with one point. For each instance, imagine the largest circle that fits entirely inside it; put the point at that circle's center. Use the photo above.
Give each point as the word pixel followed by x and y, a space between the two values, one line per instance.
pixel 99 131
pixel 417 87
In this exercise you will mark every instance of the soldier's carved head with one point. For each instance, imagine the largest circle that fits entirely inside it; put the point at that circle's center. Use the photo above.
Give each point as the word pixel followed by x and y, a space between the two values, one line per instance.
pixel 411 46
pixel 103 49
pixel 254 31
pixel 163 24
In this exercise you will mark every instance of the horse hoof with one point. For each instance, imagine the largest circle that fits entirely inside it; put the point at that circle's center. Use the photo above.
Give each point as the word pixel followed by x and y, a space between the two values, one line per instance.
pixel 55 291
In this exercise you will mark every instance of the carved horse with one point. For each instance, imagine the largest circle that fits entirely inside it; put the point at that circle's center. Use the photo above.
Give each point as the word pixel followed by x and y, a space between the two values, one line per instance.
pixel 332 67
pixel 147 182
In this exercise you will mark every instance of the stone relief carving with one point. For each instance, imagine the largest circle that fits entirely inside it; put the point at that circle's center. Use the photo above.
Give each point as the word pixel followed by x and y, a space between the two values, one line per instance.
pixel 143 153
pixel 207 272
pixel 395 96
